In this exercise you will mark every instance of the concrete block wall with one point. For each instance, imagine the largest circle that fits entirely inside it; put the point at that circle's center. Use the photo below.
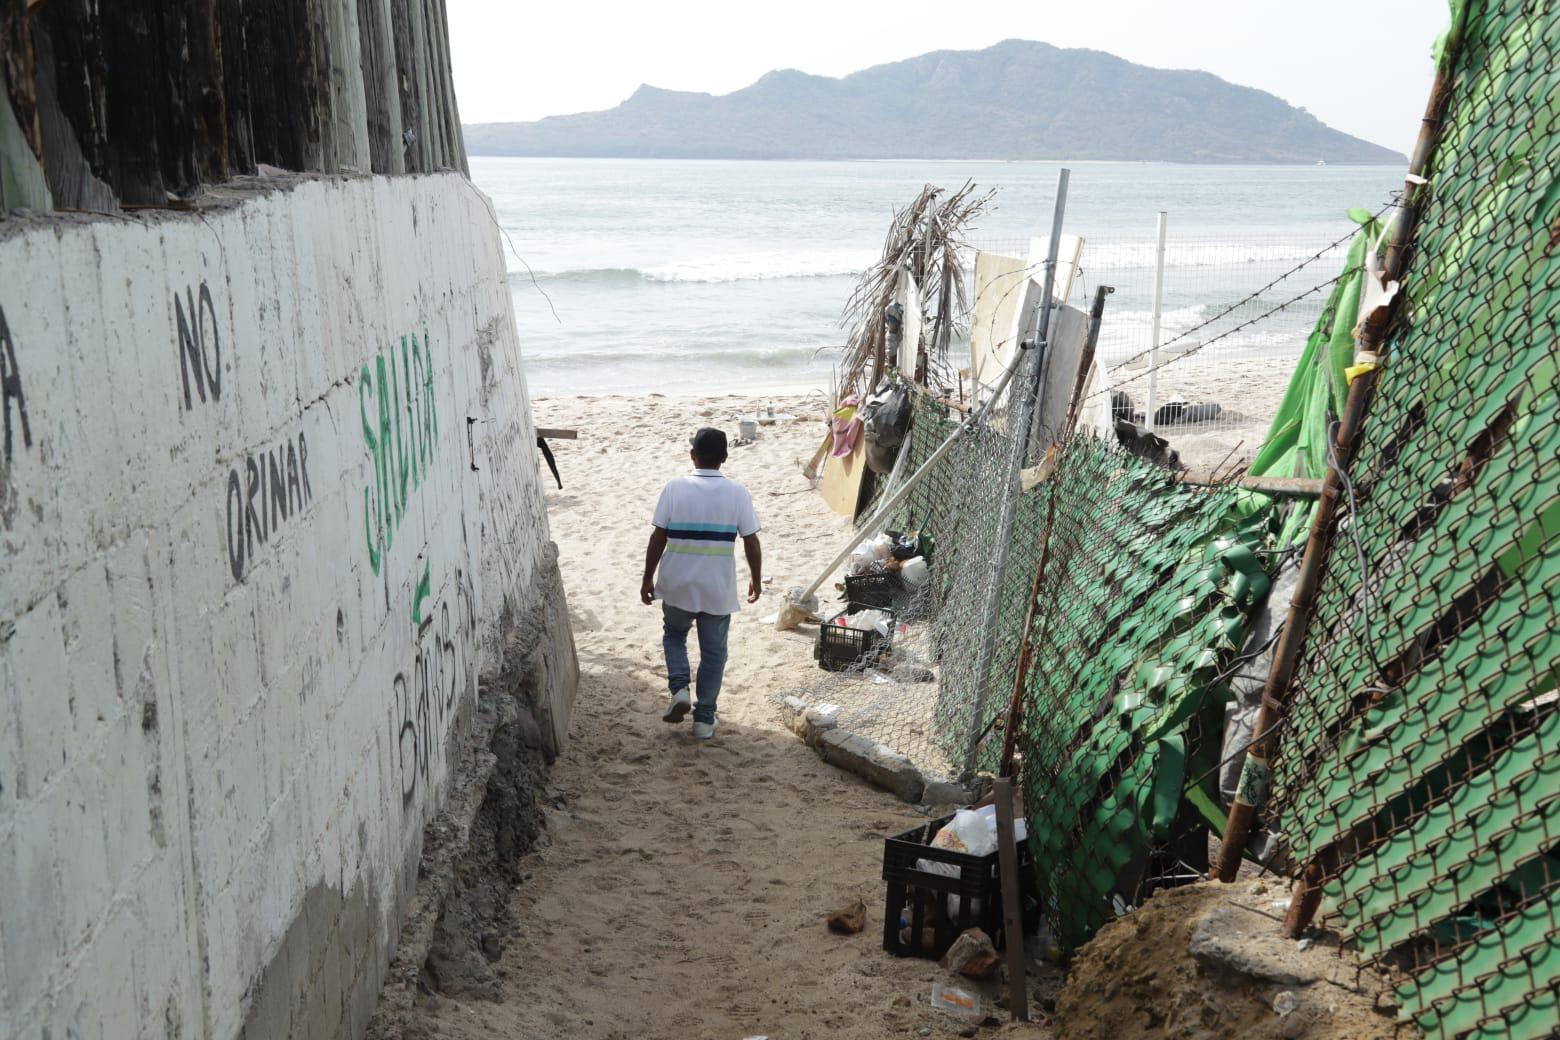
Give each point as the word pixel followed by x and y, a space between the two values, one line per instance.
pixel 267 486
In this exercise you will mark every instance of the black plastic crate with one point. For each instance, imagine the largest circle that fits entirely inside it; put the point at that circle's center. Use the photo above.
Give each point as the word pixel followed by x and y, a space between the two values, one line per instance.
pixel 886 591
pixel 920 897
pixel 839 648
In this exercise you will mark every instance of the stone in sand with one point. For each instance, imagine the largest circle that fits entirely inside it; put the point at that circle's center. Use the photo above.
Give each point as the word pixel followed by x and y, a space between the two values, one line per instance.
pixel 848 919
pixel 972 955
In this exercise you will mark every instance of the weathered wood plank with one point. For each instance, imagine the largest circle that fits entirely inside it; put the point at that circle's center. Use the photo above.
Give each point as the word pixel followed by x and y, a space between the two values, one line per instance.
pixel 150 101
pixel 382 97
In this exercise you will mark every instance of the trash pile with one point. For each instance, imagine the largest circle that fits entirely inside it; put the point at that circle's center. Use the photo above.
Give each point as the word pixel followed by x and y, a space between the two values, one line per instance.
pixel 888 570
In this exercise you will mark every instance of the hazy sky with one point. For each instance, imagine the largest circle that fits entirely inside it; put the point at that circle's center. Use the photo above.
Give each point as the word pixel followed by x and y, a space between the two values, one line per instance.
pixel 1362 66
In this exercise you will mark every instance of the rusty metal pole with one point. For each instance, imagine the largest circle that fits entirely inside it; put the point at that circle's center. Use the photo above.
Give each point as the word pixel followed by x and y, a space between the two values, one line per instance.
pixel 1256 774
pixel 1012 907
pixel 1015 716
pixel 1015 713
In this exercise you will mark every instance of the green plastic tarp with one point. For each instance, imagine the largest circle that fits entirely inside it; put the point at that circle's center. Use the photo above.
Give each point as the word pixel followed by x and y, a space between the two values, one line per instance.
pixel 1296 442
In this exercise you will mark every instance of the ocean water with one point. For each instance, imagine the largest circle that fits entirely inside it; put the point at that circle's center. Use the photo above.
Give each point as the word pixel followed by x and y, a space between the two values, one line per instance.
pixel 683 276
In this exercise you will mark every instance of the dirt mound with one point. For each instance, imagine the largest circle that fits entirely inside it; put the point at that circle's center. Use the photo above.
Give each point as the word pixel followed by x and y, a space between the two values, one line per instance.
pixel 1210 961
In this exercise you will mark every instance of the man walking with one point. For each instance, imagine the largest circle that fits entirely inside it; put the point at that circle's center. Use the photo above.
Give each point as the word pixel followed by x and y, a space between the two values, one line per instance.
pixel 697 521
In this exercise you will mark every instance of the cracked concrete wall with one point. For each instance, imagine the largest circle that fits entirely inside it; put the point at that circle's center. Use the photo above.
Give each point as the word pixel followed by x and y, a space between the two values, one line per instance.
pixel 267 486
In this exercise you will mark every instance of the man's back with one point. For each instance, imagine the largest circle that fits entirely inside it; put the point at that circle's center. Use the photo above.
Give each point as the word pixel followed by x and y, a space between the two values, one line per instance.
pixel 702 514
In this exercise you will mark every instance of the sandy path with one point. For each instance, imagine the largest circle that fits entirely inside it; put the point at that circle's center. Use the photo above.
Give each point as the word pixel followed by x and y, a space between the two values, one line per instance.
pixel 681 889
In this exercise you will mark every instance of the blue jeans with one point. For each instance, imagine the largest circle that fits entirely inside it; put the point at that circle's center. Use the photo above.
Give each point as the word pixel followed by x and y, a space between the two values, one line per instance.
pixel 712 655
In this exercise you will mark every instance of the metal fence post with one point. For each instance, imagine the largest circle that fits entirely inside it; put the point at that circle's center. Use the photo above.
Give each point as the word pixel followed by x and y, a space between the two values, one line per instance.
pixel 1019 424
pixel 1159 303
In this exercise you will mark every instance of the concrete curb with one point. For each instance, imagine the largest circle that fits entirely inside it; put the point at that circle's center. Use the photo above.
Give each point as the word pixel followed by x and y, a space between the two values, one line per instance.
pixel 878 764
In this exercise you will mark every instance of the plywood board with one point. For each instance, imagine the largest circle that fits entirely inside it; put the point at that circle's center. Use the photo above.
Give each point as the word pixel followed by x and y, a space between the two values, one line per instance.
pixel 1069 250
pixel 1069 330
pixel 999 295
pixel 842 479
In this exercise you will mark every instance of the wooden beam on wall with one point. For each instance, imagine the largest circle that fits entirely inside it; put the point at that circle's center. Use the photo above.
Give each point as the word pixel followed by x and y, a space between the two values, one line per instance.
pixel 381 94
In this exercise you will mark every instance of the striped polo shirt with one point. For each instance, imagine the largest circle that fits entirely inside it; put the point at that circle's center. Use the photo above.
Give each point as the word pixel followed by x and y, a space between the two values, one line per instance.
pixel 702 515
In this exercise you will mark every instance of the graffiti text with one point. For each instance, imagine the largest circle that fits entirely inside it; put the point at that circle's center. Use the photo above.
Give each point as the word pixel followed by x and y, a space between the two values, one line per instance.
pixel 11 389
pixel 400 430
pixel 426 698
pixel 263 493
pixel 194 333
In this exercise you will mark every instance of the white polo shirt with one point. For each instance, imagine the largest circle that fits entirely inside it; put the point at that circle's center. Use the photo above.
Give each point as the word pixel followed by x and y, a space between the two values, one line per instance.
pixel 702 515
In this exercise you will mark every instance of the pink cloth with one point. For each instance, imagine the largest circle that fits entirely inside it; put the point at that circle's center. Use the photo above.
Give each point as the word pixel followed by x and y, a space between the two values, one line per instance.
pixel 847 429
pixel 846 433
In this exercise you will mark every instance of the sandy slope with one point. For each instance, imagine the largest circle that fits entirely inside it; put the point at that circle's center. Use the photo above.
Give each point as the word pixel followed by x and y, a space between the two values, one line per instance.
pixel 682 889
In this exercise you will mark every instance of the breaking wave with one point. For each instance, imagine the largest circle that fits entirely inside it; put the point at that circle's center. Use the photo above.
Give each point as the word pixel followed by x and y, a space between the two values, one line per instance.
pixel 734 268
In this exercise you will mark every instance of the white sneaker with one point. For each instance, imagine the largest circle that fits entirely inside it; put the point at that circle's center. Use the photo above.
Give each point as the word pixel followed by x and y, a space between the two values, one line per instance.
pixel 705 730
pixel 681 704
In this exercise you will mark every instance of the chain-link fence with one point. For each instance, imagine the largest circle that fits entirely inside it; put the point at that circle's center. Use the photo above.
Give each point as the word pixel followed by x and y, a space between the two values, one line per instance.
pixel 1144 604
pixel 1418 771
pixel 1233 318
pixel 1417 775
pixel 932 692
pixel 937 692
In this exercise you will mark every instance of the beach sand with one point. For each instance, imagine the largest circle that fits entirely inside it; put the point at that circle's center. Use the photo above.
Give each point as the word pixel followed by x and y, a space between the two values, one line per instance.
pixel 1247 389
pixel 681 888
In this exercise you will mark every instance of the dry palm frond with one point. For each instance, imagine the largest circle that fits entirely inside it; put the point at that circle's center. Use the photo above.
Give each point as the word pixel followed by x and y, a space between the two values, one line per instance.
pixel 926 239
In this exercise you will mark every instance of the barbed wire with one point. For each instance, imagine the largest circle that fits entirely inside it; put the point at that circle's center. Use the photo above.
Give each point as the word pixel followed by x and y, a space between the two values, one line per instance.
pixel 1257 293
pixel 1184 354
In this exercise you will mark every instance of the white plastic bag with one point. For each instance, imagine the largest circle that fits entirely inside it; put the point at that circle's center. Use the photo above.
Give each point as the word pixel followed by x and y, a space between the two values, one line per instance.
pixel 974 831
pixel 868 621
pixel 971 831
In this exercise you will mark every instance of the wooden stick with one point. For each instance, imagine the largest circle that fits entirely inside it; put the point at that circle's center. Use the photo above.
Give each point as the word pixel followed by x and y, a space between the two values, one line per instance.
pixel 1012 909
pixel 1256 772
pixel 1026 648
pixel 1296 487
pixel 815 464
pixel 1027 645
pixel 558 435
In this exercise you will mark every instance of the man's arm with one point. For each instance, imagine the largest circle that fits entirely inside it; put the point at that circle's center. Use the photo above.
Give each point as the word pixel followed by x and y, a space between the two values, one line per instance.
pixel 653 553
pixel 755 559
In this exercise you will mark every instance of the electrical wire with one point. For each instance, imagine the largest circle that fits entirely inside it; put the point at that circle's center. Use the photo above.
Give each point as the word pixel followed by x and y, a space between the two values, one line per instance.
pixel 1337 466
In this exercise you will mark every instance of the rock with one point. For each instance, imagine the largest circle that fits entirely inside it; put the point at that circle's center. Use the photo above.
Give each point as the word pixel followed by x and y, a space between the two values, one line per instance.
pixel 848 919
pixel 492 949
pixel 1247 944
pixel 530 733
pixel 819 720
pixel 793 711
pixel 972 955
pixel 946 792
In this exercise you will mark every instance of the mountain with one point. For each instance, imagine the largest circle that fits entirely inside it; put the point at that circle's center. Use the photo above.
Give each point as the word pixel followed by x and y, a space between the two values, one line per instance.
pixel 1018 99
